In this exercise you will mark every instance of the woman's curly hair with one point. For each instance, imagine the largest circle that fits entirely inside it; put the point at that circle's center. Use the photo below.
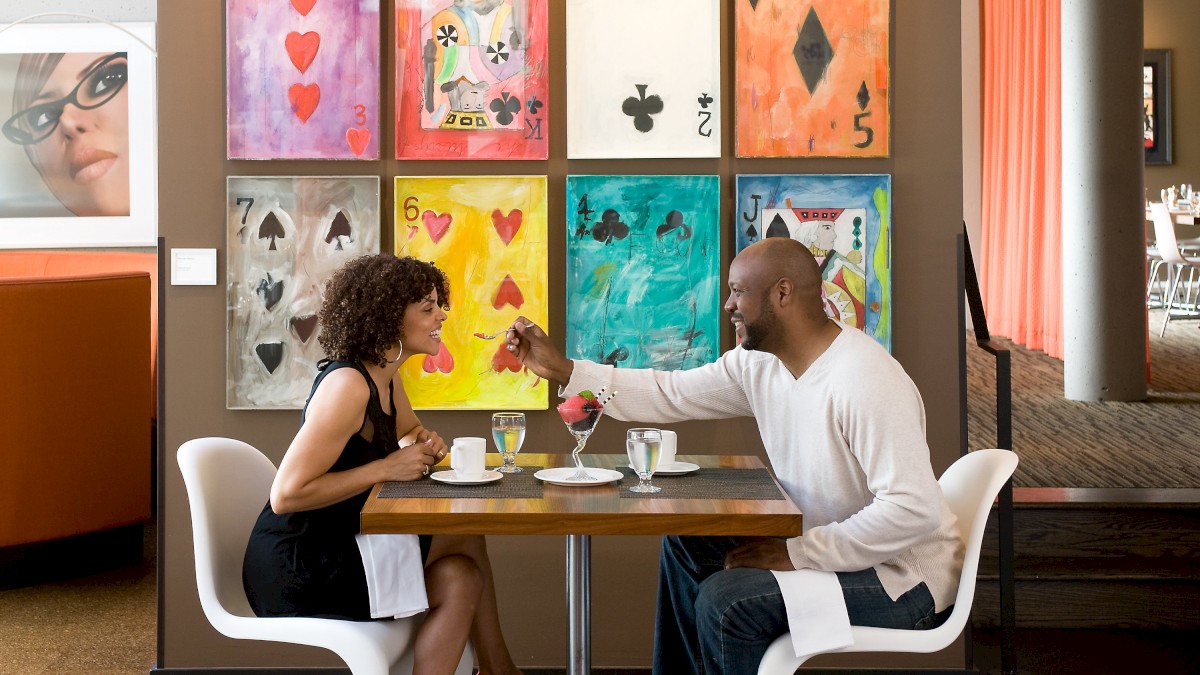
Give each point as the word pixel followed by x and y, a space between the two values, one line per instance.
pixel 363 307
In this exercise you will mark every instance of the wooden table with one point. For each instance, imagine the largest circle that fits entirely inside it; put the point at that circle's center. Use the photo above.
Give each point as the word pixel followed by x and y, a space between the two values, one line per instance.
pixel 578 513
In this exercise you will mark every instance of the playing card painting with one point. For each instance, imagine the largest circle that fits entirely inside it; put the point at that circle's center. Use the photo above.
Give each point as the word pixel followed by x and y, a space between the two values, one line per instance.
pixel 488 235
pixel 471 79
pixel 845 221
pixel 812 78
pixel 643 78
pixel 643 277
pixel 285 236
pixel 303 79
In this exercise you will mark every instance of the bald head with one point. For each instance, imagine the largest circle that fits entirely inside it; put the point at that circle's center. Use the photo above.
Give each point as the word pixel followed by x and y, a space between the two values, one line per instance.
pixel 767 261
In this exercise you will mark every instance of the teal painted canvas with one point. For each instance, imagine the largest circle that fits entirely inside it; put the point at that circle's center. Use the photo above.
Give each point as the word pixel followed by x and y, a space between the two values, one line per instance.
pixel 643 270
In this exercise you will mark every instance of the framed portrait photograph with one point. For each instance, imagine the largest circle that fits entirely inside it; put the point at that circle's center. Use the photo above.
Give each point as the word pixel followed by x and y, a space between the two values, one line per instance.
pixel 1156 105
pixel 78 135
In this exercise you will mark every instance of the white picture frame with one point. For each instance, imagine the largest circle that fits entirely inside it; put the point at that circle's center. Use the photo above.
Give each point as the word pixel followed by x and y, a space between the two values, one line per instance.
pixel 31 216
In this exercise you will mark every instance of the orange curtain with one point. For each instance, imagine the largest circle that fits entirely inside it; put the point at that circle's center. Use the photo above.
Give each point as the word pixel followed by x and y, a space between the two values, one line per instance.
pixel 1020 270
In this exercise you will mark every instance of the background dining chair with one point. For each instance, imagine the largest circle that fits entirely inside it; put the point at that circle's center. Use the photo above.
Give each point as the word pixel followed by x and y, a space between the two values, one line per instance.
pixel 228 482
pixel 970 486
pixel 1178 262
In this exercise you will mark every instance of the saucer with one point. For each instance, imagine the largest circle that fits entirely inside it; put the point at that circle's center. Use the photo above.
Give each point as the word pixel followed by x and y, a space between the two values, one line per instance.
pixel 451 476
pixel 562 476
pixel 675 468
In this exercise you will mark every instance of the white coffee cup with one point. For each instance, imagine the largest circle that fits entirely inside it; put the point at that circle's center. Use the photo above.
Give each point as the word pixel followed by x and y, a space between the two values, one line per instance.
pixel 666 453
pixel 467 457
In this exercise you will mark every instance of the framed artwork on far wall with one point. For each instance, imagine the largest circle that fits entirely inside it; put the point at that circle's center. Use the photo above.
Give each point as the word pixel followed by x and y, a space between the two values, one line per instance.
pixel 1156 105
pixel 60 190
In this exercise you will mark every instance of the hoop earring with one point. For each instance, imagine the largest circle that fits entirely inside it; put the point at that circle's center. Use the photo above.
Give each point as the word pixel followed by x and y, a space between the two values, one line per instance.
pixel 397 355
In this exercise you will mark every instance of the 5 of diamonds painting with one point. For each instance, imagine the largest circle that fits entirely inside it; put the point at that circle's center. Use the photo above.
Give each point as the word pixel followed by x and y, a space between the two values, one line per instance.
pixel 471 79
pixel 302 79
pixel 488 235
pixel 643 270
pixel 845 221
pixel 285 236
pixel 643 78
pixel 812 78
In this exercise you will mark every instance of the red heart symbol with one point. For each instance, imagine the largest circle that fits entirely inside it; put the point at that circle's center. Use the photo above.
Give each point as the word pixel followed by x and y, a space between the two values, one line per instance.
pixel 504 360
pixel 304 99
pixel 507 226
pixel 302 49
pixel 436 224
pixel 358 139
pixel 508 293
pixel 443 362
pixel 303 6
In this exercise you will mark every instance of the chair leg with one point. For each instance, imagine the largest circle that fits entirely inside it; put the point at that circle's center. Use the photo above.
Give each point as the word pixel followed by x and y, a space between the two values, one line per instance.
pixel 1170 299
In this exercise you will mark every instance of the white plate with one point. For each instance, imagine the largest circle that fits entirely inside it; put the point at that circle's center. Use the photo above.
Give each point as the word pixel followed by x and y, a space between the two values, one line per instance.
pixel 562 476
pixel 675 468
pixel 452 478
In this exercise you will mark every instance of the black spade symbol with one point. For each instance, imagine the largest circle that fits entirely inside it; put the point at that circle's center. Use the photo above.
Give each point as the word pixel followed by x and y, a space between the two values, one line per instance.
pixel 777 228
pixel 270 228
pixel 340 227
pixel 270 290
pixel 271 355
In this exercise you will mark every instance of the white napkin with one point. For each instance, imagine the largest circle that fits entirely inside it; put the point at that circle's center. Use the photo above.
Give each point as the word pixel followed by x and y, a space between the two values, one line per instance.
pixel 816 611
pixel 395 574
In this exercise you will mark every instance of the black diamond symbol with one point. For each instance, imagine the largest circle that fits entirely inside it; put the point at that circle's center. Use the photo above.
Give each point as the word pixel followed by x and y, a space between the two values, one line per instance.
pixel 812 51
pixel 864 96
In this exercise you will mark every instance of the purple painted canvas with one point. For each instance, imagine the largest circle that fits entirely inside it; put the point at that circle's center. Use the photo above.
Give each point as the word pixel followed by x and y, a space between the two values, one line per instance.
pixel 302 79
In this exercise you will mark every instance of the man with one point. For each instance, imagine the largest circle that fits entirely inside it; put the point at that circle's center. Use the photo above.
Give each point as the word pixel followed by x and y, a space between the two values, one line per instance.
pixel 844 428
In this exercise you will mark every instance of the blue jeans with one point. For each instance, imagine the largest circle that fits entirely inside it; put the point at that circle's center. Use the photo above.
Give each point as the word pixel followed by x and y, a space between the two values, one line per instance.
pixel 717 621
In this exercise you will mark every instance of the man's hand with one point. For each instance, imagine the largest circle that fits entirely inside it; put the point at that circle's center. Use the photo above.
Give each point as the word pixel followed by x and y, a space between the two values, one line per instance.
pixel 767 554
pixel 532 346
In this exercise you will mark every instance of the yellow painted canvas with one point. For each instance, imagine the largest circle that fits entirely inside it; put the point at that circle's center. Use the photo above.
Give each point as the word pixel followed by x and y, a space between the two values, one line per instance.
pixel 488 235
pixel 812 78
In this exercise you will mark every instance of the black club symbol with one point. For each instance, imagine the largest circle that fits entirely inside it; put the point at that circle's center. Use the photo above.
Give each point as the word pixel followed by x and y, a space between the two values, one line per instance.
pixel 640 108
pixel 704 100
pixel 610 227
pixel 505 107
pixel 534 103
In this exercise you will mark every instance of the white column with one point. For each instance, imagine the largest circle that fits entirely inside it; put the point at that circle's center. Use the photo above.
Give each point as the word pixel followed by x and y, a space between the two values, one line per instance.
pixel 1103 229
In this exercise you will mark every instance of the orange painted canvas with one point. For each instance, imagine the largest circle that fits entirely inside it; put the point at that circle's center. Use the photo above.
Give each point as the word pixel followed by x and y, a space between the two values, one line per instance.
pixel 488 234
pixel 812 78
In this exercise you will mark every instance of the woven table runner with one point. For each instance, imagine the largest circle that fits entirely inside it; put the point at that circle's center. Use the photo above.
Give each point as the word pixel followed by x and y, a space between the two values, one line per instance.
pixel 705 483
pixel 512 486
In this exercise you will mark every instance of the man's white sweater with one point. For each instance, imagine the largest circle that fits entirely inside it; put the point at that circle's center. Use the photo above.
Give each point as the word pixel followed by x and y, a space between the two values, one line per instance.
pixel 846 440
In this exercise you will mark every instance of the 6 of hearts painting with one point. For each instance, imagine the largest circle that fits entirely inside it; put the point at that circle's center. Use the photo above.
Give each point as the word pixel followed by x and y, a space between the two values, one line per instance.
pixel 472 83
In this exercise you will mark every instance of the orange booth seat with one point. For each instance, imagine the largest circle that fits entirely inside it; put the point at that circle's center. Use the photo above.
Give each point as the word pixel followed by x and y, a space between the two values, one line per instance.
pixel 75 436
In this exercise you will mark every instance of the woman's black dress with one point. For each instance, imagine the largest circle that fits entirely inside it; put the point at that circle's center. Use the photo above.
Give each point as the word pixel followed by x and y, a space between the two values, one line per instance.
pixel 307 563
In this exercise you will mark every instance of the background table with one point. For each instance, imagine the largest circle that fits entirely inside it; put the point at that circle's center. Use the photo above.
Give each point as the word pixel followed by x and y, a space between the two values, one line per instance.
pixel 578 513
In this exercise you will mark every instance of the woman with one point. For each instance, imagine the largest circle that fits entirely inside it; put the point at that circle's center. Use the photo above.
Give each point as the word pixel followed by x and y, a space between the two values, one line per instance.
pixel 71 114
pixel 305 556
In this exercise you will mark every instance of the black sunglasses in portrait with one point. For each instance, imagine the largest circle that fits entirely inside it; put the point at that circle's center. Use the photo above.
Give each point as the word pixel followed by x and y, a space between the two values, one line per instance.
pixel 97 87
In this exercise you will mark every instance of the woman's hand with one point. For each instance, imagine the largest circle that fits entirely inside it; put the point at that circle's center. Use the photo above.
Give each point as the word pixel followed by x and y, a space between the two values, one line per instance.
pixel 529 343
pixel 411 462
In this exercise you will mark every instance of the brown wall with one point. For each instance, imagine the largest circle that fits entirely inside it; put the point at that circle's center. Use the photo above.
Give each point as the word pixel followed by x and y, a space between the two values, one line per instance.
pixel 1173 25
pixel 926 165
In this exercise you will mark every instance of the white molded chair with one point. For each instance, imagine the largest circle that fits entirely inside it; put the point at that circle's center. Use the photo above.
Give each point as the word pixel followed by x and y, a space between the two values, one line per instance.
pixel 1176 261
pixel 970 486
pixel 228 482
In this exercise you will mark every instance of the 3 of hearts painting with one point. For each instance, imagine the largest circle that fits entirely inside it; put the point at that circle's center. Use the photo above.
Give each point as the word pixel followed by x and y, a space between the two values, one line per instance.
pixel 302 79
pixel 488 235
pixel 285 235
